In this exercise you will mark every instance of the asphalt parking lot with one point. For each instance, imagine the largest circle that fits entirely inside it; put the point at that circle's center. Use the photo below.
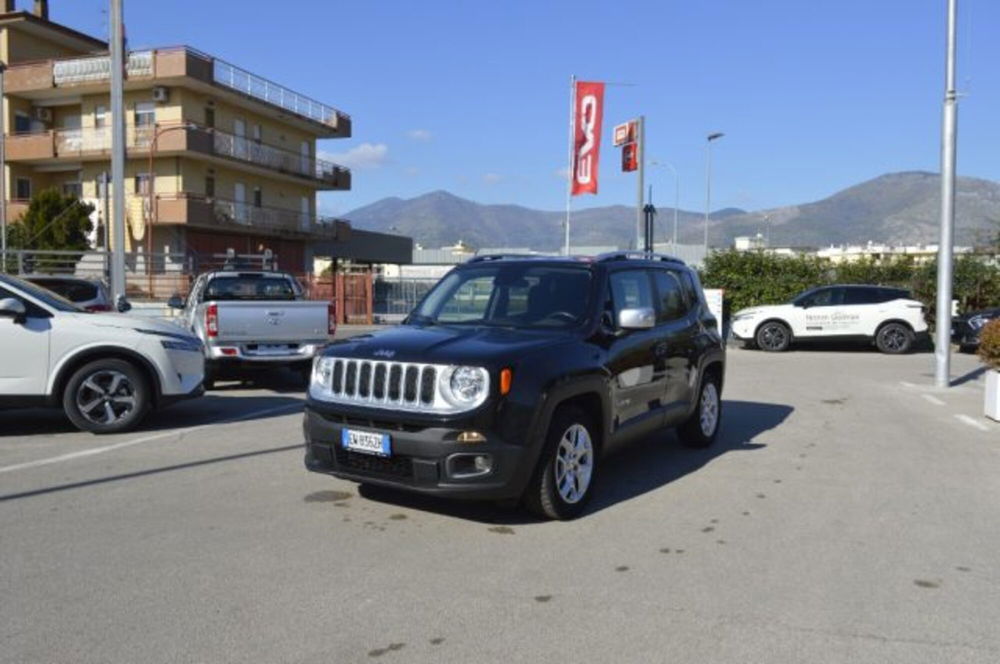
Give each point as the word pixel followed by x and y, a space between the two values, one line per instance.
pixel 848 512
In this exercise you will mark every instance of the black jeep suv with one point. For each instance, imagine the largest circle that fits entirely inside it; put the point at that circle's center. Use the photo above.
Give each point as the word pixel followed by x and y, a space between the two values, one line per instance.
pixel 515 374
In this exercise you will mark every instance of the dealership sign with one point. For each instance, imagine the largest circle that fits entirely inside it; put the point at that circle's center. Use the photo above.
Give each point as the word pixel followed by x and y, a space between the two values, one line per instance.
pixel 587 115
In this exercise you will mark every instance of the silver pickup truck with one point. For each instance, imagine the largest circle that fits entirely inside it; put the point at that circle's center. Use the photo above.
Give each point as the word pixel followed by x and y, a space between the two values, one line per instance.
pixel 254 320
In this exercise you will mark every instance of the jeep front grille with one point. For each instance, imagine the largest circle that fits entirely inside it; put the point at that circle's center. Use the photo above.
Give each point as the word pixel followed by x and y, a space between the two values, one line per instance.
pixel 401 385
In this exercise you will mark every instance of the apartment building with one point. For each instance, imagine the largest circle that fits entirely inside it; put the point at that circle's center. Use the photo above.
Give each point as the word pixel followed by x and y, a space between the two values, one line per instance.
pixel 218 157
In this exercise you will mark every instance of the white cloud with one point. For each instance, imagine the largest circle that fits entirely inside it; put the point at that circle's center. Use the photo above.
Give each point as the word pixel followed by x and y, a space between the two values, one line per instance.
pixel 422 135
pixel 366 155
pixel 492 178
pixel 411 171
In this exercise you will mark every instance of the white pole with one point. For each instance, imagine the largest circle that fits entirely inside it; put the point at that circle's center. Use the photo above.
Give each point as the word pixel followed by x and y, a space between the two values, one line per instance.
pixel 569 170
pixel 3 175
pixel 117 153
pixel 641 156
pixel 949 130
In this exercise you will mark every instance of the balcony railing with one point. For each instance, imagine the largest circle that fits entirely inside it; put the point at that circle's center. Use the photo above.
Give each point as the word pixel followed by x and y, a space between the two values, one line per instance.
pixel 192 208
pixel 81 142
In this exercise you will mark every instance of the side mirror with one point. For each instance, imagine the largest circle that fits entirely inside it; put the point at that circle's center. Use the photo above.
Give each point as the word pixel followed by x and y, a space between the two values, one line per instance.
pixel 641 318
pixel 175 302
pixel 12 308
pixel 122 305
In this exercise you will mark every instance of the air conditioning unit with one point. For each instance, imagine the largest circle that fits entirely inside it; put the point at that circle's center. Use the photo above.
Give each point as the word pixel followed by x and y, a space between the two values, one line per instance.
pixel 161 94
pixel 43 114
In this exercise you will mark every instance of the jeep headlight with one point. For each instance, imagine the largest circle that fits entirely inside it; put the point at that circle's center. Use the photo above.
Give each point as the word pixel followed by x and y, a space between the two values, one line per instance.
pixel 465 387
pixel 322 373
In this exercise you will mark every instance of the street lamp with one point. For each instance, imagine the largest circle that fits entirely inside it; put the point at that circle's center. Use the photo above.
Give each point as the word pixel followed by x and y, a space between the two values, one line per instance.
pixel 677 195
pixel 708 179
pixel 151 199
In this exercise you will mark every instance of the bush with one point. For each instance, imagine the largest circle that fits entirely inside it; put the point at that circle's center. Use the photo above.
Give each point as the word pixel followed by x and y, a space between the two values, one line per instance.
pixel 989 344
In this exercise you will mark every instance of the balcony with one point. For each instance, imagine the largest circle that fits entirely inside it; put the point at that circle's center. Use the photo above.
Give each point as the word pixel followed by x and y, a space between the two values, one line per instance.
pixel 95 144
pixel 175 66
pixel 236 216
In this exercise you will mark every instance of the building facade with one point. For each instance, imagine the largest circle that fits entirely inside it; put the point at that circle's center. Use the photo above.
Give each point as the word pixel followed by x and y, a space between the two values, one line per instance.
pixel 218 158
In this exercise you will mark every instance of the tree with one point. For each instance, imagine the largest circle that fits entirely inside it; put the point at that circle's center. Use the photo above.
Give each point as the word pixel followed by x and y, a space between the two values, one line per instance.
pixel 53 222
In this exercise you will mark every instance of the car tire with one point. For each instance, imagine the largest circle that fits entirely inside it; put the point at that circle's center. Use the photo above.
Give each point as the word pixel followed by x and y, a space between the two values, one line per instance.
pixel 773 337
pixel 894 339
pixel 107 396
pixel 702 427
pixel 564 479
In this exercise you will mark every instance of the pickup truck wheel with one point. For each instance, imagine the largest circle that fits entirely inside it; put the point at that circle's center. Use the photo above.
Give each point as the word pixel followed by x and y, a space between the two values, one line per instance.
pixel 773 337
pixel 564 480
pixel 701 428
pixel 107 396
pixel 894 339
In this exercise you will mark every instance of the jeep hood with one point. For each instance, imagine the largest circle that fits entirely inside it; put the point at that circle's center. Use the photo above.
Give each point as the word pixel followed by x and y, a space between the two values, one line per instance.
pixel 444 344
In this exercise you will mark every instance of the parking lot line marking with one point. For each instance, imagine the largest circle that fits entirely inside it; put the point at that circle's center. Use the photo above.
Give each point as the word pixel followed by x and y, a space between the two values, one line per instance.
pixel 906 383
pixel 934 400
pixel 145 439
pixel 973 423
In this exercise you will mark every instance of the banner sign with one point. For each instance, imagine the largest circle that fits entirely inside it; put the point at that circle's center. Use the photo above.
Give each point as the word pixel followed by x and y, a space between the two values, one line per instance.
pixel 587 114
pixel 625 133
pixel 630 157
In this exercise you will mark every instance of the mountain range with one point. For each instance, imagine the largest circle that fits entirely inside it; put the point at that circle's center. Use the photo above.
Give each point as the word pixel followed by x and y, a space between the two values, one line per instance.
pixel 900 208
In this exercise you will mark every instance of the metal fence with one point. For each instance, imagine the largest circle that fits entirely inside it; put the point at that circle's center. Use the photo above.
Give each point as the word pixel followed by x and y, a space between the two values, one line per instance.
pixel 394 298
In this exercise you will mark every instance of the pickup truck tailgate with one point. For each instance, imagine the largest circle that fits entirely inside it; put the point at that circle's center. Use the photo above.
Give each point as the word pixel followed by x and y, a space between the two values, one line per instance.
pixel 272 322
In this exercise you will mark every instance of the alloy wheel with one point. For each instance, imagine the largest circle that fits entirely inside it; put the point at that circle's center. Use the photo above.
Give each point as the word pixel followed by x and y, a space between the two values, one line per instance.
pixel 574 464
pixel 105 397
pixel 709 409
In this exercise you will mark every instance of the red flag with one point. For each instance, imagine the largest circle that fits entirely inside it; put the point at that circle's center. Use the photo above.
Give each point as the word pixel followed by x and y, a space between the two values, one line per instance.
pixel 587 114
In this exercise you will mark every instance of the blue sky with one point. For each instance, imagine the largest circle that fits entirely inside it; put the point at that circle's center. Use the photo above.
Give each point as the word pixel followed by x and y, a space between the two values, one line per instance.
pixel 472 96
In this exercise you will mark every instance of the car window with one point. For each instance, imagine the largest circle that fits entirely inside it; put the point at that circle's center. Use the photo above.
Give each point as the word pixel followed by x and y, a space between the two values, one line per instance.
pixel 861 296
pixel 669 296
pixel 890 294
pixel 630 289
pixel 469 301
pixel 72 289
pixel 47 297
pixel 689 289
pixel 249 287
pixel 824 297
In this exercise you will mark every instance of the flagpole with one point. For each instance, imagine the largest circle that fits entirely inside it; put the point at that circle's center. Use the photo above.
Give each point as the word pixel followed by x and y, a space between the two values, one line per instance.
pixel 569 170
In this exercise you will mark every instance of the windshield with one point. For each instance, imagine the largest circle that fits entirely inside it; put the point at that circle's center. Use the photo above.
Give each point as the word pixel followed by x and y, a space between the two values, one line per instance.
pixel 250 287
pixel 513 295
pixel 43 295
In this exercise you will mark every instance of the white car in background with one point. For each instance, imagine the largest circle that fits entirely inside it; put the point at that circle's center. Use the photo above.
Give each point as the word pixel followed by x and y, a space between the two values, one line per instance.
pixel 888 317
pixel 106 371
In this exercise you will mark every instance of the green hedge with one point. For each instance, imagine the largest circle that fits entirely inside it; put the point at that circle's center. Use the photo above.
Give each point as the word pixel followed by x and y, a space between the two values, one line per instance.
pixel 752 278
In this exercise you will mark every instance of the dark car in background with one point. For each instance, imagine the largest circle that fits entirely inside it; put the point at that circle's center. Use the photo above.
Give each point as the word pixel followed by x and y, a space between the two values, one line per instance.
pixel 88 294
pixel 965 329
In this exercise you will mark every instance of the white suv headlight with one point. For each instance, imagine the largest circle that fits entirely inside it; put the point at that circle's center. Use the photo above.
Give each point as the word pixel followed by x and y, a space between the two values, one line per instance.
pixel 977 322
pixel 465 387
pixel 322 373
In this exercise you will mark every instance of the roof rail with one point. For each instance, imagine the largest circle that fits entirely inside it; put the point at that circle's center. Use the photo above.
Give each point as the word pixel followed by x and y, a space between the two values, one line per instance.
pixel 499 257
pixel 637 256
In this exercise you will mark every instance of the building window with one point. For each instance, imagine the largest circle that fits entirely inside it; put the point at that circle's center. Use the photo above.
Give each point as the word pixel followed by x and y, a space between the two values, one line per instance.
pixel 22 123
pixel 74 189
pixel 258 198
pixel 141 183
pixel 145 114
pixel 100 117
pixel 258 133
pixel 210 186
pixel 22 189
pixel 210 117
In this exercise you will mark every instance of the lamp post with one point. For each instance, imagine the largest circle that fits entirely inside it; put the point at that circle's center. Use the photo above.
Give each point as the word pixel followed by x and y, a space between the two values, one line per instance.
pixel 3 175
pixel 708 179
pixel 151 198
pixel 677 195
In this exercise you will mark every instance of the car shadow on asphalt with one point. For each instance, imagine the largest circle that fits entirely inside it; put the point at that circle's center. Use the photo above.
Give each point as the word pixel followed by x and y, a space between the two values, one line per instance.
pixel 639 468
pixel 208 409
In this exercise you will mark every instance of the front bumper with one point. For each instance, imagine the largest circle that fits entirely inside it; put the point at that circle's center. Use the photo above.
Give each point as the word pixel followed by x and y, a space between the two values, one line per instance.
pixel 425 459
pixel 743 329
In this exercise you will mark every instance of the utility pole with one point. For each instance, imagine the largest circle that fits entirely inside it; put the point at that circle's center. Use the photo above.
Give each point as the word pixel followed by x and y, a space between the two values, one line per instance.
pixel 569 174
pixel 3 175
pixel 949 130
pixel 641 158
pixel 117 227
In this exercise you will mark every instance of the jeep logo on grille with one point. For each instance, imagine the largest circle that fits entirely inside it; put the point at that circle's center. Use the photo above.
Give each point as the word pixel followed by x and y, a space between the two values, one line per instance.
pixel 385 352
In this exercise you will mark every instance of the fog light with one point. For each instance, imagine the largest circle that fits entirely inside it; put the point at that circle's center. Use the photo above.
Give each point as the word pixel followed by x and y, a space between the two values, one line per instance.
pixel 483 463
pixel 471 437
pixel 461 466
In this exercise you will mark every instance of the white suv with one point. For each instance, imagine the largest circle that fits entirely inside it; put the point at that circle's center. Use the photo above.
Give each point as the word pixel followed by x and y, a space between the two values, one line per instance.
pixel 889 317
pixel 106 370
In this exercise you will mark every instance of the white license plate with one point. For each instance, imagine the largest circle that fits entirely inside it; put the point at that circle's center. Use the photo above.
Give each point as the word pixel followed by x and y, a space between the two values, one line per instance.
pixel 366 442
pixel 272 348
